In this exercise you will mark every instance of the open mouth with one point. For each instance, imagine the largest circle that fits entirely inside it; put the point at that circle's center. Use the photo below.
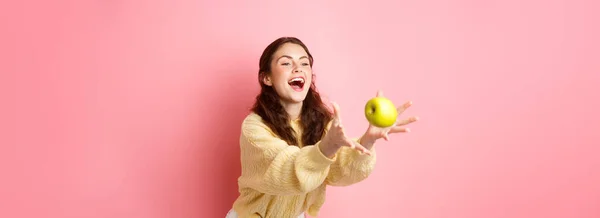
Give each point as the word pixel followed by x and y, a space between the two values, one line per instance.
pixel 297 83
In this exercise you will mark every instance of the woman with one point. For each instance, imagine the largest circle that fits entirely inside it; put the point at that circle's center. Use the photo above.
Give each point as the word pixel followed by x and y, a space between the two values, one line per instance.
pixel 292 146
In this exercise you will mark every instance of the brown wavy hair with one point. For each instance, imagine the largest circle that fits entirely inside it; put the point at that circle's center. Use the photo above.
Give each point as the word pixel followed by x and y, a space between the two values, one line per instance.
pixel 314 116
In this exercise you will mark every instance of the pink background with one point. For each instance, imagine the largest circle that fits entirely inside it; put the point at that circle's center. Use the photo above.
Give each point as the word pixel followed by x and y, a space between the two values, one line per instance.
pixel 133 108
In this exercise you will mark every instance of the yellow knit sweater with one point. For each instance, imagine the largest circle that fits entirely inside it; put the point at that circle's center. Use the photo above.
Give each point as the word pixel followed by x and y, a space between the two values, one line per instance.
pixel 280 181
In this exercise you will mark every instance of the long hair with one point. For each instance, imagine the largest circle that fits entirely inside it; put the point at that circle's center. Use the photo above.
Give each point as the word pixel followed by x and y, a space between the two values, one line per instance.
pixel 314 115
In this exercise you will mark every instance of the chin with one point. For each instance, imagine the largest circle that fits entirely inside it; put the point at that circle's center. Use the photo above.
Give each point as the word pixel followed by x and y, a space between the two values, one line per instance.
pixel 298 98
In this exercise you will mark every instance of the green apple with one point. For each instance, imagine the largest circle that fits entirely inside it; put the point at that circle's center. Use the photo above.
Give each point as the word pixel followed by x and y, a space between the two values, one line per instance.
pixel 381 112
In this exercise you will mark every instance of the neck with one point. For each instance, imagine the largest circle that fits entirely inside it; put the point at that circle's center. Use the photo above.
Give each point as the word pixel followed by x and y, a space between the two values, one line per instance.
pixel 293 109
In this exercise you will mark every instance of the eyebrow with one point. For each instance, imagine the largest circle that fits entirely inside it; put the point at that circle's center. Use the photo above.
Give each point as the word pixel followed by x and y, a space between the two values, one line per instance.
pixel 290 57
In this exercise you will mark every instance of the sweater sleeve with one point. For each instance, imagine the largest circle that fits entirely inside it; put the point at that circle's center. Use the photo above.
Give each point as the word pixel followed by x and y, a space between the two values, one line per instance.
pixel 351 167
pixel 271 166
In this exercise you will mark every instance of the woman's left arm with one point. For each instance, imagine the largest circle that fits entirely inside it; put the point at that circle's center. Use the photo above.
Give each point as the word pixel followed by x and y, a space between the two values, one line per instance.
pixel 350 166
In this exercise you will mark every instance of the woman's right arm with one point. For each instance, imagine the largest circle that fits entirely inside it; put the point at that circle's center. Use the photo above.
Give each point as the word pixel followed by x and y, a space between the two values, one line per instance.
pixel 271 166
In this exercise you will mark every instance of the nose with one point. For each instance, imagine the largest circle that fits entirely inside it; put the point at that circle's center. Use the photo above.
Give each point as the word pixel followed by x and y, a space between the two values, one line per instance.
pixel 297 70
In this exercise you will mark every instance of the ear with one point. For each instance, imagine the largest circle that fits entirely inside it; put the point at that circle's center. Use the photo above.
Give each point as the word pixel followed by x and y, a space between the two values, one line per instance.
pixel 267 80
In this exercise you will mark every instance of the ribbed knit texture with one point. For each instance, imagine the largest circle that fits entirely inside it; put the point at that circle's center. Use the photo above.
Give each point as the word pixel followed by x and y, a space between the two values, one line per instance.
pixel 280 181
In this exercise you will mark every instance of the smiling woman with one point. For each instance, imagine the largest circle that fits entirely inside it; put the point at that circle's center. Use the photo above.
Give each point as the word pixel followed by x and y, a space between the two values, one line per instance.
pixel 292 146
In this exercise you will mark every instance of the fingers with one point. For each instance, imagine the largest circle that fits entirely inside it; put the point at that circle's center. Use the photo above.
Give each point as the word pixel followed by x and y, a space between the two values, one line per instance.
pixel 384 134
pixel 407 121
pixel 397 129
pixel 350 144
pixel 357 146
pixel 336 113
pixel 405 106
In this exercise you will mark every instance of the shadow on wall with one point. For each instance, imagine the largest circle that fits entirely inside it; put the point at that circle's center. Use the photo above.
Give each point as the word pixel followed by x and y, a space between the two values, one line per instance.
pixel 227 101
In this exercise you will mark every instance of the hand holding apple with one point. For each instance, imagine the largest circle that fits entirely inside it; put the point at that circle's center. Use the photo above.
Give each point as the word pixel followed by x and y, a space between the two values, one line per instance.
pixel 382 116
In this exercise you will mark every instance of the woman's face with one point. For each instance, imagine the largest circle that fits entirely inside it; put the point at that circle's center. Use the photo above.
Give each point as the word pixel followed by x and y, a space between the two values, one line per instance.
pixel 291 73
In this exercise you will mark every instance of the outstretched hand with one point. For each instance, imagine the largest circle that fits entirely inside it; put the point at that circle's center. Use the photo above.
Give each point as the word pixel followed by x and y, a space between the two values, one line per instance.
pixel 335 137
pixel 374 133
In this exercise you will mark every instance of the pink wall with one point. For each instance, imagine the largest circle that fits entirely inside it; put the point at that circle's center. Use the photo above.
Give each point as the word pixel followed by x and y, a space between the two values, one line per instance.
pixel 121 108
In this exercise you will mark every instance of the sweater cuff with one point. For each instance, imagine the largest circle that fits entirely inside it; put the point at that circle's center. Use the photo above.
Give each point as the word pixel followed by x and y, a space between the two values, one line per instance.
pixel 318 157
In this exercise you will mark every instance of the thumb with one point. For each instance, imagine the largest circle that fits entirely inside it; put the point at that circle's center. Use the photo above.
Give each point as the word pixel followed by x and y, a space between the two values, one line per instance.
pixel 336 112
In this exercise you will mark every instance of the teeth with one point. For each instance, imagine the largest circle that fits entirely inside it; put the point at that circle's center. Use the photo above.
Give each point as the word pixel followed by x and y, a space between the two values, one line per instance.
pixel 297 79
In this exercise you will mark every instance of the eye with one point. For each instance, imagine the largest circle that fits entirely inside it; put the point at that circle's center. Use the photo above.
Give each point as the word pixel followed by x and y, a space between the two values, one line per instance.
pixel 285 63
pixel 305 64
